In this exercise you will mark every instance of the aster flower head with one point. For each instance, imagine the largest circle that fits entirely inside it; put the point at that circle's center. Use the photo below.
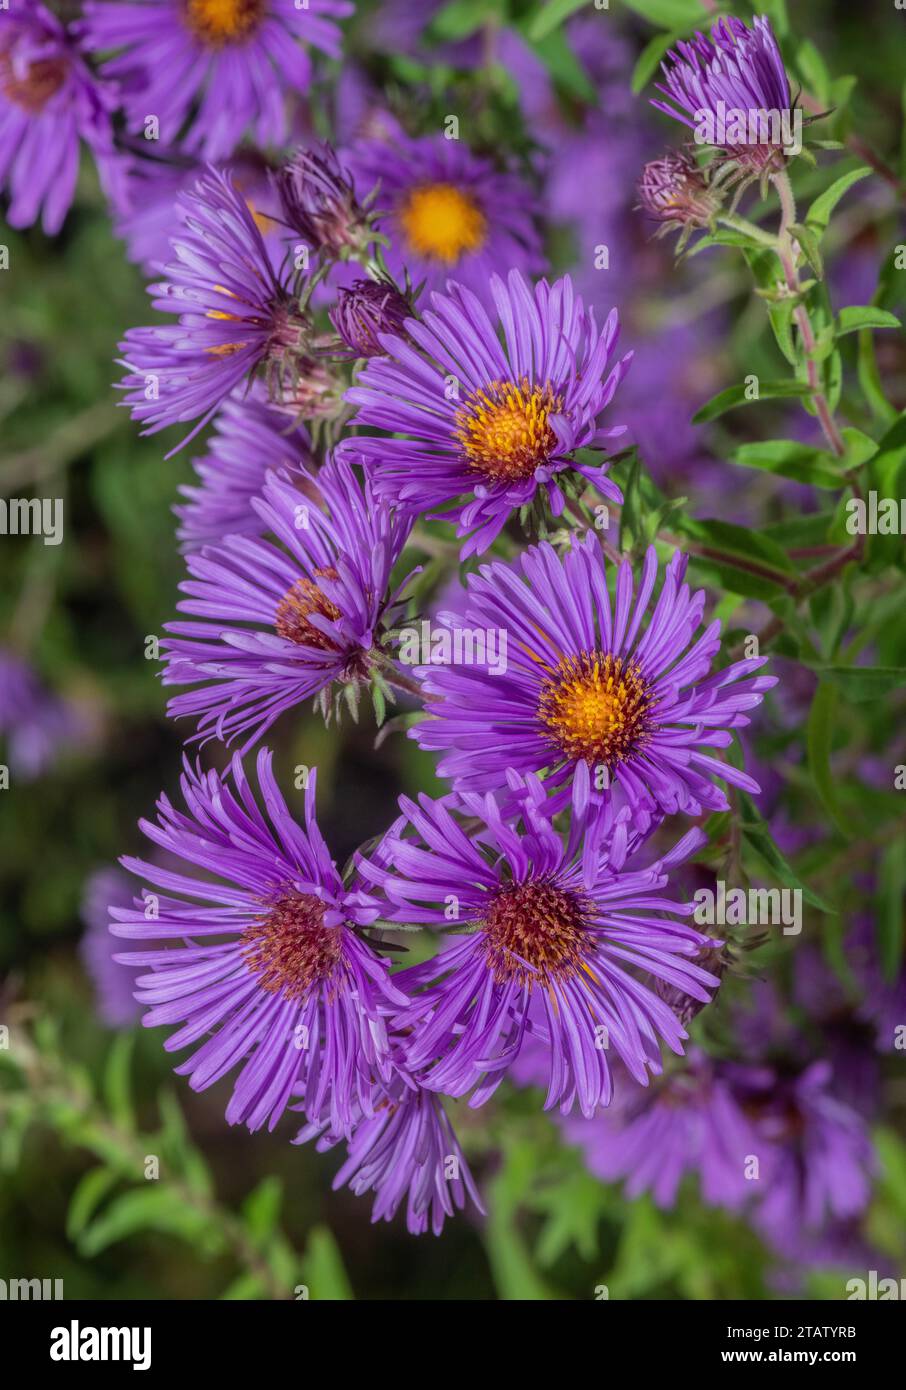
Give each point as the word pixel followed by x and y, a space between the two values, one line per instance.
pixel 320 205
pixel 491 424
pixel 405 1151
pixel 235 314
pixel 49 102
pixel 598 701
pixel 732 89
pixel 252 438
pixel 36 723
pixel 364 311
pixel 674 192
pixel 275 624
pixel 779 1145
pixel 448 213
pixel 265 964
pixel 558 934
pixel 222 68
pixel 693 1122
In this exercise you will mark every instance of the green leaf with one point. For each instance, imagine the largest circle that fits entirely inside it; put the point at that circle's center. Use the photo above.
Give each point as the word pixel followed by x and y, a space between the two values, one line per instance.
pixel 861 684
pixel 650 58
pixel 261 1209
pixel 819 213
pixel 669 14
pixel 819 739
pixel 154 1208
pixel 116 1085
pixel 791 460
pixel 323 1268
pixel 858 316
pixel 551 16
pixel 814 72
pixel 461 18
pixel 87 1197
pixel 756 833
pixel 737 395
pixel 889 916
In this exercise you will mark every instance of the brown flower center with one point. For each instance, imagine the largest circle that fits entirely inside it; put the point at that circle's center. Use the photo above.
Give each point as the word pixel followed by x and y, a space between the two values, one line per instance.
pixel 294 612
pixel 289 947
pixel 34 90
pixel 596 708
pixel 535 932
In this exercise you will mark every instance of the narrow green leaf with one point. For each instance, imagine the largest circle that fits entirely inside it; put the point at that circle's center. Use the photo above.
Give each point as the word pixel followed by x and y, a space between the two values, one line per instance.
pixel 738 395
pixel 861 684
pixel 323 1267
pixel 889 917
pixel 791 460
pixel 757 835
pixel 819 213
pixel 858 316
pixel 551 16
pixel 650 58
pixel 819 739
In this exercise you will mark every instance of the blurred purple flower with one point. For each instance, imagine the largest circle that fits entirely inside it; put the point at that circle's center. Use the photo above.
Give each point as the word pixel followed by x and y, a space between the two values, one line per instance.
pixel 229 65
pixel 36 723
pixel 49 102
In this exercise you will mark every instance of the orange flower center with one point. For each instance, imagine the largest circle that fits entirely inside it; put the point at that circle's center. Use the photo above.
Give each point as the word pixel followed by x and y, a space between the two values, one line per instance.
pixel 216 22
pixel 505 430
pixel 596 708
pixel 442 223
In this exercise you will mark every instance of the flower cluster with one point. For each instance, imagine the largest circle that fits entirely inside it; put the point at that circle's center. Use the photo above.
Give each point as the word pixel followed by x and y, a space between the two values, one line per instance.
pixel 418 426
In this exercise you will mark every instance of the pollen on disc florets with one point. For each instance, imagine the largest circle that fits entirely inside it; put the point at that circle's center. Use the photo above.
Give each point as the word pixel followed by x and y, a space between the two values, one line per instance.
pixel 597 708
pixel 293 620
pixel 289 948
pixel 32 90
pixel 223 21
pixel 505 429
pixel 442 222
pixel 535 932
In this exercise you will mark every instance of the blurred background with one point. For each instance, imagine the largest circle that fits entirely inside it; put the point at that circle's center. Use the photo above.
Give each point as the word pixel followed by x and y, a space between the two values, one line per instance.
pixel 89 748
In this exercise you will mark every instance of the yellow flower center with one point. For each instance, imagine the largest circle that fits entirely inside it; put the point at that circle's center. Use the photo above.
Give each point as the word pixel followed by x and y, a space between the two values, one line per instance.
pixel 442 223
pixel 534 932
pixel 504 429
pixel 596 708
pixel 221 21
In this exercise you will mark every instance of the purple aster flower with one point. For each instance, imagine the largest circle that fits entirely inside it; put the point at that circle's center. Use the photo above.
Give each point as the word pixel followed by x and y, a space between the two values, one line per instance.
pixel 448 212
pixel 782 1146
pixel 364 311
pixel 692 1122
pixel 273 625
pixel 226 67
pixel 235 314
pixel 49 101
pixel 36 723
pixel 591 695
pixel 406 1151
pixel 821 1158
pixel 267 967
pixel 149 218
pixel 494 424
pixel 734 79
pixel 251 439
pixel 558 935
pixel 114 983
